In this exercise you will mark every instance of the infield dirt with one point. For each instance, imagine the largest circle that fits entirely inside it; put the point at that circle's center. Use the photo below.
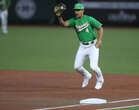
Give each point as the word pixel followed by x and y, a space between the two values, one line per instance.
pixel 27 90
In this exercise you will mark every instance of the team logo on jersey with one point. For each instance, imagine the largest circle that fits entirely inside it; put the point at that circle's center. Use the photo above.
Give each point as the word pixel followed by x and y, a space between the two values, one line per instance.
pixel 82 27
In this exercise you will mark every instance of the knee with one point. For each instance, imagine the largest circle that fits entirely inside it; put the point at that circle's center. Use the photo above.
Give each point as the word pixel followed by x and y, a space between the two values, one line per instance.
pixel 77 68
pixel 94 67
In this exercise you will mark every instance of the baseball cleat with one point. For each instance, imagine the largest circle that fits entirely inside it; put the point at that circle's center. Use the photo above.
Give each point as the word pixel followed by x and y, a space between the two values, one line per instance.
pixel 86 80
pixel 99 85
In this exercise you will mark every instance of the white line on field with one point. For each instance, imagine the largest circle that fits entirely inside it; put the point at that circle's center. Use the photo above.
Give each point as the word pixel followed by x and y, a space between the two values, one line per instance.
pixel 78 105
pixel 119 107
pixel 128 100
pixel 60 107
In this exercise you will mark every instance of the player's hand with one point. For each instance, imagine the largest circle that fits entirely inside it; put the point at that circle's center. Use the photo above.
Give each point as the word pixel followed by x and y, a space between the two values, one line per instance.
pixel 59 9
pixel 98 43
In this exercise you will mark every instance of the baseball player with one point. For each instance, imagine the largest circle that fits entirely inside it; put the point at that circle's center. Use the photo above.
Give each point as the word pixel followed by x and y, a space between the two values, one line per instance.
pixel 4 5
pixel 90 42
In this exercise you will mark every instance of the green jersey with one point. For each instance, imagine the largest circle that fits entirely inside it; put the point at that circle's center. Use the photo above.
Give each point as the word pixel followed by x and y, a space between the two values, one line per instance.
pixel 4 2
pixel 85 27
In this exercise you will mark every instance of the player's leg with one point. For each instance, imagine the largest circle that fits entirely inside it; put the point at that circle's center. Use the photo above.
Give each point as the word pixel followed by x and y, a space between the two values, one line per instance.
pixel 4 16
pixel 0 15
pixel 94 57
pixel 78 66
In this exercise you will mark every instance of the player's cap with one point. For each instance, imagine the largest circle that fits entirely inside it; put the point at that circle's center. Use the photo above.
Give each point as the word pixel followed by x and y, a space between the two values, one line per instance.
pixel 78 6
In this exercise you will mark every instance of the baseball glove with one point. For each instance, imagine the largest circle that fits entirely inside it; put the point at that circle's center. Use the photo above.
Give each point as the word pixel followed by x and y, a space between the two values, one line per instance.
pixel 59 9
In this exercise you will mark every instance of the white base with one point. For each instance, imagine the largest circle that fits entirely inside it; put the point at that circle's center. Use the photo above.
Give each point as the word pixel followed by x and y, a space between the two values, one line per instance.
pixel 93 101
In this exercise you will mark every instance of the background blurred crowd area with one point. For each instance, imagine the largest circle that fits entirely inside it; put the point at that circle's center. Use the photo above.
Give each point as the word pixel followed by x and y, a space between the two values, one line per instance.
pixel 109 12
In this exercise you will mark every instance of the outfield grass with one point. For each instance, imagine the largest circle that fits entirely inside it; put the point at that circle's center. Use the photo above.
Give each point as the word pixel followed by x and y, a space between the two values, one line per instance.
pixel 130 108
pixel 54 49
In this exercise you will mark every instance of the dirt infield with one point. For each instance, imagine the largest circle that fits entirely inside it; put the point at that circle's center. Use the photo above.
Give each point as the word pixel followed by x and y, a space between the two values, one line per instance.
pixel 28 90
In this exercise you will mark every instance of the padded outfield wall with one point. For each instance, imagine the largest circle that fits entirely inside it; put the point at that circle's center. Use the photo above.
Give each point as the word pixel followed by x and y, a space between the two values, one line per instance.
pixel 109 12
pixel 37 11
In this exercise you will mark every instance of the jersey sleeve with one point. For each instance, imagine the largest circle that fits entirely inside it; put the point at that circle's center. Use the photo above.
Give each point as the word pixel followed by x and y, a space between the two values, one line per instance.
pixel 95 23
pixel 71 22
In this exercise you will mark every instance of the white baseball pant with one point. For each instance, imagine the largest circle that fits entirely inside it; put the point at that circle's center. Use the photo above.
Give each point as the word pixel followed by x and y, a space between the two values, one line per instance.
pixel 93 53
pixel 4 20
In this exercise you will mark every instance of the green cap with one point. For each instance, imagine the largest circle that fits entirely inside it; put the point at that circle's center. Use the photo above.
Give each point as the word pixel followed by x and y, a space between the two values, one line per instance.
pixel 78 6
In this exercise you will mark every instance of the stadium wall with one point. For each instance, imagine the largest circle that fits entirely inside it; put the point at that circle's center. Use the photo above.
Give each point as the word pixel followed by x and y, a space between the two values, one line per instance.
pixel 110 13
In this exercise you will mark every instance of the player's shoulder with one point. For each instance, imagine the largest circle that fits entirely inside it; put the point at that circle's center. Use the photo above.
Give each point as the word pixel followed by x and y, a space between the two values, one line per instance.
pixel 71 20
pixel 88 17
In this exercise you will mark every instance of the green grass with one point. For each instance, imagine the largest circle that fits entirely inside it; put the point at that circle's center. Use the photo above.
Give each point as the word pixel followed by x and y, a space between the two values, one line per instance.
pixel 27 48
pixel 129 108
pixel 54 49
pixel 120 51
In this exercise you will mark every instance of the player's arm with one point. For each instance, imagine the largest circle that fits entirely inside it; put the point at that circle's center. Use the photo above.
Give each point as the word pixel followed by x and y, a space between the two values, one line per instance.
pixel 62 22
pixel 95 23
pixel 100 35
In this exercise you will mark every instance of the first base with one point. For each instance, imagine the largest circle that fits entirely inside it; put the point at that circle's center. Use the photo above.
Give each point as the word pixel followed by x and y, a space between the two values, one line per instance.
pixel 93 101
